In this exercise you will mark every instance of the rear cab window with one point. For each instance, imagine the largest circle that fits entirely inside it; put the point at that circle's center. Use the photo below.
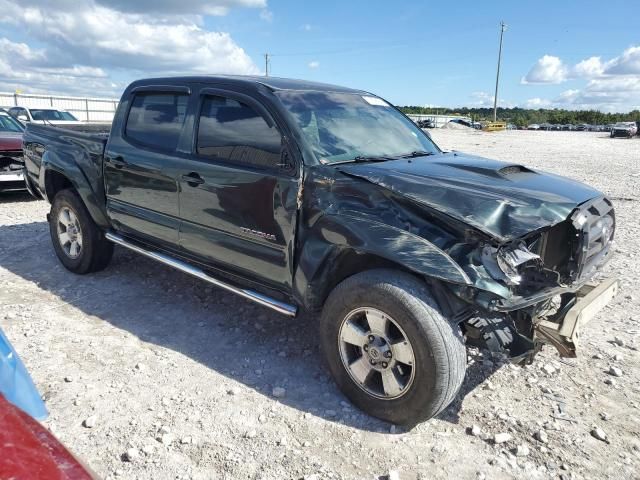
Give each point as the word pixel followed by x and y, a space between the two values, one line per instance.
pixel 234 132
pixel 155 120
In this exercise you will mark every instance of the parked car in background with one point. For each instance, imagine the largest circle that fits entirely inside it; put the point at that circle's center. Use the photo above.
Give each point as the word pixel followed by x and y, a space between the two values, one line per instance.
pixel 427 123
pixel 49 116
pixel 533 126
pixel 10 153
pixel 462 121
pixel 624 129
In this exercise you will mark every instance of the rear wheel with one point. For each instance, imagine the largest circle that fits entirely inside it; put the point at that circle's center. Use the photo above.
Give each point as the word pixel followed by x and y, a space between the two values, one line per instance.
pixel 390 348
pixel 78 242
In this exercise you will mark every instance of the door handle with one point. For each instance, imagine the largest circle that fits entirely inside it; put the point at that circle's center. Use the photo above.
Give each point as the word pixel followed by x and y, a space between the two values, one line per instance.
pixel 117 162
pixel 193 179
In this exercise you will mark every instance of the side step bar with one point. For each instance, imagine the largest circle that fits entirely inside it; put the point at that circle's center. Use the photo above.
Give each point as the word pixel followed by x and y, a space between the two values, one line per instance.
pixel 276 305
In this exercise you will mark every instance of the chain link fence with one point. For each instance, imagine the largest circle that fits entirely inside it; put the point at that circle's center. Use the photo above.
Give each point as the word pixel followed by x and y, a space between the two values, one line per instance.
pixel 83 108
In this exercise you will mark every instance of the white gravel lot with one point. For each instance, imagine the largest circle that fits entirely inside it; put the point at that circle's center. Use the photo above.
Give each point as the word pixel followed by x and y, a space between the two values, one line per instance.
pixel 181 375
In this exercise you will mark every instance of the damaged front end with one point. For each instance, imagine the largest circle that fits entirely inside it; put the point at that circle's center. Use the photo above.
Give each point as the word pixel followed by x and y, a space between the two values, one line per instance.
pixel 11 165
pixel 544 292
pixel 515 249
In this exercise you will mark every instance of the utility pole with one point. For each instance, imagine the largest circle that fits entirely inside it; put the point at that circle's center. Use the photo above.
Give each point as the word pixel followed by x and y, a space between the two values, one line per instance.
pixel 266 64
pixel 503 27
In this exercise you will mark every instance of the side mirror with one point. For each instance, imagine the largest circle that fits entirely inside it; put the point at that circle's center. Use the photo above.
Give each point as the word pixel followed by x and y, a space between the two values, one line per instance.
pixel 23 118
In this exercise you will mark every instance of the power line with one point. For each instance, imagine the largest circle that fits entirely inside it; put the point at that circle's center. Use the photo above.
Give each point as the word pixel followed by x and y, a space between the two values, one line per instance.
pixel 503 27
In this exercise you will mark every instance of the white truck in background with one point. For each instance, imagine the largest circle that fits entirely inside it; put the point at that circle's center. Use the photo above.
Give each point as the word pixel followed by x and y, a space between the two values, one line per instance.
pixel 46 116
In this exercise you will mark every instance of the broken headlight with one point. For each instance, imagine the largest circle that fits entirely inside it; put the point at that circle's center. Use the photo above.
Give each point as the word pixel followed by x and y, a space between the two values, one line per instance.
pixel 507 263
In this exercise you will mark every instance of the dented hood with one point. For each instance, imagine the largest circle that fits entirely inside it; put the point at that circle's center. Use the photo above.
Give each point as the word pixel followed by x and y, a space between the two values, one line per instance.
pixel 504 200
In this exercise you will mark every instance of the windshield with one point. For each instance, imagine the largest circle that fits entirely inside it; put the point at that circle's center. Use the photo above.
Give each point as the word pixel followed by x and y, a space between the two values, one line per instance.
pixel 346 127
pixel 9 124
pixel 52 115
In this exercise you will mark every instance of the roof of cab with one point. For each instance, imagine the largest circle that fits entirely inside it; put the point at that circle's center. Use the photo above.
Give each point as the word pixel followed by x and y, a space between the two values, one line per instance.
pixel 274 83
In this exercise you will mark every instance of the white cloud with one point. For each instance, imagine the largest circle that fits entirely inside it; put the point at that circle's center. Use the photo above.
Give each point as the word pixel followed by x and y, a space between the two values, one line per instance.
pixel 612 94
pixel 626 64
pixel 307 27
pixel 538 103
pixel 20 66
pixel 85 39
pixel 612 85
pixel 484 99
pixel 548 69
pixel 266 15
pixel 314 64
pixel 155 7
pixel 591 67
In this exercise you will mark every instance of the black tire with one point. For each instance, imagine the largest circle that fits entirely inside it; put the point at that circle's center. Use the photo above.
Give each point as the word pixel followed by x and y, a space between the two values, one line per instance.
pixel 96 251
pixel 438 346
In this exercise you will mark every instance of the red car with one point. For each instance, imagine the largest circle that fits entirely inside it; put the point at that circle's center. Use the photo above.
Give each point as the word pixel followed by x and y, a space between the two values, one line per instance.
pixel 10 153
pixel 27 449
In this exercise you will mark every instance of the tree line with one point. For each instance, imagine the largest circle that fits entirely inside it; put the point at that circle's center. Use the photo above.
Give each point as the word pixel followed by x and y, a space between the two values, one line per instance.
pixel 526 116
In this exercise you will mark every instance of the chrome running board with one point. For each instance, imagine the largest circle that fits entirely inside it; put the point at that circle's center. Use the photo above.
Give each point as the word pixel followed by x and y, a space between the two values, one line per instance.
pixel 276 305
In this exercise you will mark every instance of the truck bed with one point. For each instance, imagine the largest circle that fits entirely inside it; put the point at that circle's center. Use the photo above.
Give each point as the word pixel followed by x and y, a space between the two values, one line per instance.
pixel 79 148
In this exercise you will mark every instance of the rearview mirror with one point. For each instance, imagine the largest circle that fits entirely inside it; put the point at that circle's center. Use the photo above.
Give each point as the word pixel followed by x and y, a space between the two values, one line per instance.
pixel 23 118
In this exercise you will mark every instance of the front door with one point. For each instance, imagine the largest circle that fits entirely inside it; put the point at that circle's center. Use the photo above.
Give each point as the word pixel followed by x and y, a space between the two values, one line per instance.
pixel 142 164
pixel 238 192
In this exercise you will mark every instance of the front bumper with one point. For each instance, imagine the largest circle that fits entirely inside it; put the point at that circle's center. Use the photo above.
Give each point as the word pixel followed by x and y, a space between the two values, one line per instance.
pixel 12 180
pixel 590 299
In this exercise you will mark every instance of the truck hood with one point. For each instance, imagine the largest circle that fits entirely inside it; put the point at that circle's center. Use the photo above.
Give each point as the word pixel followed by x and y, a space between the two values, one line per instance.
pixel 503 200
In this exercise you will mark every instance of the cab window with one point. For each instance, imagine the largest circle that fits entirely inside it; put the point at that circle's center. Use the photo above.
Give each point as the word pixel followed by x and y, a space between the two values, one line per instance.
pixel 232 131
pixel 155 120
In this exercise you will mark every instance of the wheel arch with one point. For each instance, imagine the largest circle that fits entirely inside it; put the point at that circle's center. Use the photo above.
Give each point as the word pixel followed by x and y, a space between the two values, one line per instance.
pixel 59 172
pixel 54 181
pixel 341 246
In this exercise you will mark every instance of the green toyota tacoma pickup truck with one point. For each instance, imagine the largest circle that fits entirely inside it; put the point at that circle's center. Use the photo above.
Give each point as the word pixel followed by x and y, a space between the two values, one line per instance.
pixel 305 196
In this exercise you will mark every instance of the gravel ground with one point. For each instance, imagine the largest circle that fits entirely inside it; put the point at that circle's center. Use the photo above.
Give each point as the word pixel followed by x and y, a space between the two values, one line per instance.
pixel 148 373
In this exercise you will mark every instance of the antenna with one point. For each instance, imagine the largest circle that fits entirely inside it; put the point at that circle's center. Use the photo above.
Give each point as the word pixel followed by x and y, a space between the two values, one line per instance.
pixel 503 27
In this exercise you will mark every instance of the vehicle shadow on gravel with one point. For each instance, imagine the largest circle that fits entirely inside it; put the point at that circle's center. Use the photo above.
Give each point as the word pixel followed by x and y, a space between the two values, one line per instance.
pixel 479 369
pixel 236 338
pixel 16 197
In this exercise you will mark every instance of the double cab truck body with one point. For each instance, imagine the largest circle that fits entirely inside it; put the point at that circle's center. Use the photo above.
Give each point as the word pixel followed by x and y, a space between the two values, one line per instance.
pixel 305 196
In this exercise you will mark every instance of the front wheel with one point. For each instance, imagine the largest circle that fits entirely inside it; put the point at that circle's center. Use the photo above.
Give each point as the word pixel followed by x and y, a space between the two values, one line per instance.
pixel 78 242
pixel 390 348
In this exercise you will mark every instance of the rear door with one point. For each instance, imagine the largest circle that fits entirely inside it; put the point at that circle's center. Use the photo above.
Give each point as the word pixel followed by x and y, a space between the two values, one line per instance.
pixel 142 164
pixel 238 192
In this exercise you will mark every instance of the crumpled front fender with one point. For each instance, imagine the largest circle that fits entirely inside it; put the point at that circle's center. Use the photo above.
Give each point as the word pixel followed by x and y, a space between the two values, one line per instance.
pixel 332 235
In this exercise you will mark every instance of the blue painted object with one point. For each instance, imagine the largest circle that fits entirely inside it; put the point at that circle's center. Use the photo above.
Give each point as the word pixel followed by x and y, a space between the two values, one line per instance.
pixel 16 384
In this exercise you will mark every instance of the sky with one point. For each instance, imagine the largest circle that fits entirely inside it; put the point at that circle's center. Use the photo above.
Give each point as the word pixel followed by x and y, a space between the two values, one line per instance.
pixel 565 54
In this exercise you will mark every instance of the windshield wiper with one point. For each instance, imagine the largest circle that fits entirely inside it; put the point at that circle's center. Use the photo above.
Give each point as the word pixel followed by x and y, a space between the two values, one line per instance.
pixel 417 153
pixel 376 158
pixel 365 159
